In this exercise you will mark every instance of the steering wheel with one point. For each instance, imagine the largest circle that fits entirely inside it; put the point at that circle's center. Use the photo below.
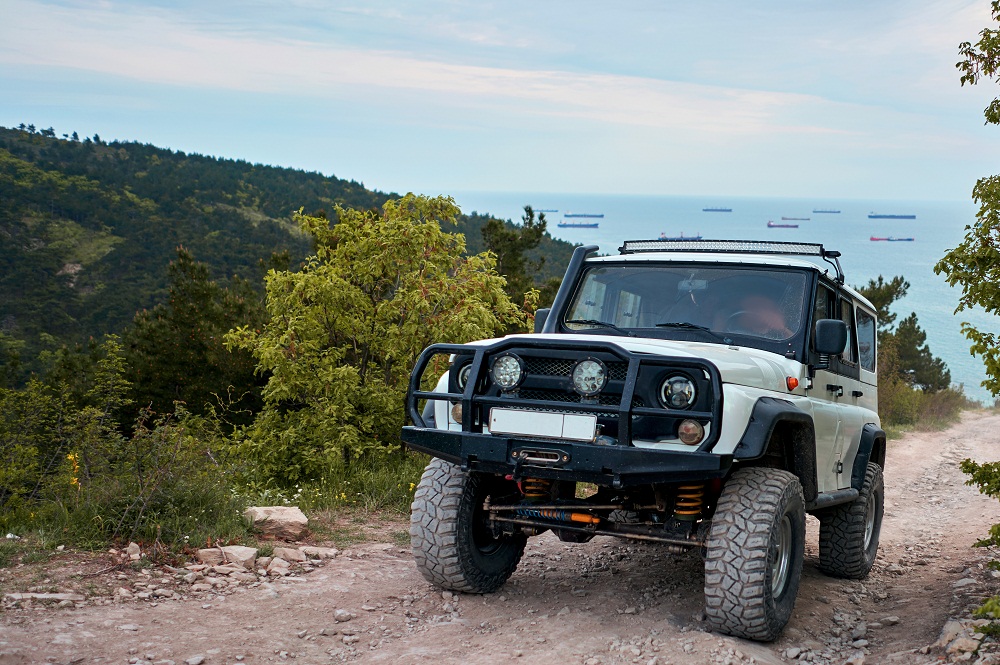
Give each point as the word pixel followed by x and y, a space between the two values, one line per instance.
pixel 733 319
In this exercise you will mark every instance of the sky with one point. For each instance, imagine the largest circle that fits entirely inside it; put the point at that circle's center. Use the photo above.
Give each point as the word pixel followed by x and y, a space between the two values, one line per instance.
pixel 848 99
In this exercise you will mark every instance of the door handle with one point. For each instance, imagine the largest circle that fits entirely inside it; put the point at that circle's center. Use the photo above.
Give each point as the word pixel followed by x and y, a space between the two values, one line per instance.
pixel 834 388
pixel 857 393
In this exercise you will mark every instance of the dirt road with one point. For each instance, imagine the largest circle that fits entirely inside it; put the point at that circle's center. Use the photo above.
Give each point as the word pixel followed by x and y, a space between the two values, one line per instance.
pixel 603 602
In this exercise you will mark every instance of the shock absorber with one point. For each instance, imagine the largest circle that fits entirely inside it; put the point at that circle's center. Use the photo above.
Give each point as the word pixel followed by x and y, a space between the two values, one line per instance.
pixel 689 502
pixel 536 489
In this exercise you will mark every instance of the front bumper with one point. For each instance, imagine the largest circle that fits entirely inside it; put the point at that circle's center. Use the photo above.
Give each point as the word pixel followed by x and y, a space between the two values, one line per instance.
pixel 614 466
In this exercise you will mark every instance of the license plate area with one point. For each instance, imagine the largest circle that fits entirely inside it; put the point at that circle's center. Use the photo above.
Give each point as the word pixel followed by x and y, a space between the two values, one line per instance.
pixel 569 426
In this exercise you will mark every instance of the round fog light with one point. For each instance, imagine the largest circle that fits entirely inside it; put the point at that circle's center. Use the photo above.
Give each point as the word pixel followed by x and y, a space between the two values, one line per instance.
pixel 691 432
pixel 456 412
pixel 507 371
pixel 589 377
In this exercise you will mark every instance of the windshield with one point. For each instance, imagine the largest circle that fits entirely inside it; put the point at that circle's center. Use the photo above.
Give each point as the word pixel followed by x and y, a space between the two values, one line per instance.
pixel 767 303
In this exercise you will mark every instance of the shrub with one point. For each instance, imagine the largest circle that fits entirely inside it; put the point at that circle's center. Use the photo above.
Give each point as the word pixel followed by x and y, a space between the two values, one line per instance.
pixel 344 332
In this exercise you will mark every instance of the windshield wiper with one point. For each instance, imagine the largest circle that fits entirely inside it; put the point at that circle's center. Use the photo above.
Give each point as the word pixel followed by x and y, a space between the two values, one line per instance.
pixel 603 324
pixel 685 325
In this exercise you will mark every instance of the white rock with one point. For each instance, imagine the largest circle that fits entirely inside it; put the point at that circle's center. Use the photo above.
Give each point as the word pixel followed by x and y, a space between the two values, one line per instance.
pixel 75 597
pixel 195 660
pixel 289 554
pixel 210 555
pixel 277 567
pixel 240 555
pixel 133 550
pixel 951 630
pixel 284 522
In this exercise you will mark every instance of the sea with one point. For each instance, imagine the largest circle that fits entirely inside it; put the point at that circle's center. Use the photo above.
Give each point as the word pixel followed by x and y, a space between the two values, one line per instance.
pixel 937 227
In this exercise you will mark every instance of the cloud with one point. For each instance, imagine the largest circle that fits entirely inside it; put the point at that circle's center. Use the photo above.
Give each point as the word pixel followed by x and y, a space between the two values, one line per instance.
pixel 160 47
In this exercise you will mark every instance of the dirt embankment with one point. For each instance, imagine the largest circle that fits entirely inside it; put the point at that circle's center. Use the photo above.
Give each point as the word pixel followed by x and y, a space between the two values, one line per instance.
pixel 603 602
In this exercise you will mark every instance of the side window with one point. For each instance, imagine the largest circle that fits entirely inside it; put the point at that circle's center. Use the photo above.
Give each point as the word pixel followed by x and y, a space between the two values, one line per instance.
pixel 866 340
pixel 847 316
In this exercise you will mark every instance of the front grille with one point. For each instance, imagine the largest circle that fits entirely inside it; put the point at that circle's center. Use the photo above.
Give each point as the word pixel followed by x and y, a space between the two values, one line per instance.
pixel 549 366
pixel 563 367
pixel 604 399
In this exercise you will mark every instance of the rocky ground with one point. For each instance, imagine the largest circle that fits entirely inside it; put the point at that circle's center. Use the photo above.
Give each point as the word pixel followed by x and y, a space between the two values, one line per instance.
pixel 605 602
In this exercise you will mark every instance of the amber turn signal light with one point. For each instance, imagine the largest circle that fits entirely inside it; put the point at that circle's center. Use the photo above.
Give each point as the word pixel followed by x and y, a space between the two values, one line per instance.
pixel 791 382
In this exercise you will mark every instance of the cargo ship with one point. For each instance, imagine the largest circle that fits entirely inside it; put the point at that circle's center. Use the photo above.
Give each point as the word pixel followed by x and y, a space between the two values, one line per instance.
pixel 795 219
pixel 775 225
pixel 892 239
pixel 577 225
pixel 583 214
pixel 873 215
pixel 664 236
pixel 716 209
pixel 828 212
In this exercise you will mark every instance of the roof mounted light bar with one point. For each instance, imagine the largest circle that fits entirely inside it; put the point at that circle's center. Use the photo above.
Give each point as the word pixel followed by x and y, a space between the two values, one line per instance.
pixel 736 247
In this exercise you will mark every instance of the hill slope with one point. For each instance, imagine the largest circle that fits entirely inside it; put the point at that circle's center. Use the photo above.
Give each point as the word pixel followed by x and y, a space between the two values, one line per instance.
pixel 88 228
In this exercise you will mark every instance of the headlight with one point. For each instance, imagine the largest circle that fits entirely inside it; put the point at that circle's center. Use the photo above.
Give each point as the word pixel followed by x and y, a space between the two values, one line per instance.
pixel 507 371
pixel 677 392
pixel 462 377
pixel 589 377
pixel 691 432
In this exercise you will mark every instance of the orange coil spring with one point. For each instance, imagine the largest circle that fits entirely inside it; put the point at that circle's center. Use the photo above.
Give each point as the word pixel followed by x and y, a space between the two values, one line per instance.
pixel 536 489
pixel 690 499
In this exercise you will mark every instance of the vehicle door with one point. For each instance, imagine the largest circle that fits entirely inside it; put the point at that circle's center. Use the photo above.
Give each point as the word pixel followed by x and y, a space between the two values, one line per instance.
pixel 824 397
pixel 850 393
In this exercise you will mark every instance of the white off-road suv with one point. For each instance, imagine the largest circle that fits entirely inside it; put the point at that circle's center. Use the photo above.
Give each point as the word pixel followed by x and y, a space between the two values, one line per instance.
pixel 701 394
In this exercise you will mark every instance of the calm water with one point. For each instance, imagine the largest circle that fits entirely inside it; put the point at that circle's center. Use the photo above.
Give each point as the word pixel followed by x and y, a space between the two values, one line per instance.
pixel 939 226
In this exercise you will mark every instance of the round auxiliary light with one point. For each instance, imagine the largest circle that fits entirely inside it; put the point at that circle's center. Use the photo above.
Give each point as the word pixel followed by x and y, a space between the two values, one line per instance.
pixel 677 392
pixel 691 432
pixel 462 377
pixel 507 371
pixel 589 377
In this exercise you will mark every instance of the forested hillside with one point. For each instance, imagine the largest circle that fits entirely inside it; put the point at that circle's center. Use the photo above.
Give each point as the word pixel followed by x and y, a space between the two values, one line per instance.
pixel 88 228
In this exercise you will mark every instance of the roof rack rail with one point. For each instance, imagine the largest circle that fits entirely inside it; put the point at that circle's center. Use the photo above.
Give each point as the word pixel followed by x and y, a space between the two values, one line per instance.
pixel 736 247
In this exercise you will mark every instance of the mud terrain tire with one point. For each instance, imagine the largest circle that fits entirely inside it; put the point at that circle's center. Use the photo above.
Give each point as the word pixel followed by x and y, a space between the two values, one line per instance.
pixel 849 533
pixel 754 551
pixel 452 542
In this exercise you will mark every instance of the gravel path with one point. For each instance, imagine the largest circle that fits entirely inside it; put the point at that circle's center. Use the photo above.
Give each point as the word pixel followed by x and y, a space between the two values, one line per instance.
pixel 605 602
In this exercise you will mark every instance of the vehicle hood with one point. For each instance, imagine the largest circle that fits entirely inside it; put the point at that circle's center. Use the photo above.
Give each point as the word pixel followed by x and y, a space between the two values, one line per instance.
pixel 738 365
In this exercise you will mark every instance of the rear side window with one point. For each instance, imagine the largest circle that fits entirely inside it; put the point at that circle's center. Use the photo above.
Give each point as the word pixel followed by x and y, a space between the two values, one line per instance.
pixel 847 316
pixel 866 340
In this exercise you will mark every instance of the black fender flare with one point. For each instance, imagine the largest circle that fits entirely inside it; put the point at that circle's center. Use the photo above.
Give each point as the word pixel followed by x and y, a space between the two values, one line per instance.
pixel 770 413
pixel 871 449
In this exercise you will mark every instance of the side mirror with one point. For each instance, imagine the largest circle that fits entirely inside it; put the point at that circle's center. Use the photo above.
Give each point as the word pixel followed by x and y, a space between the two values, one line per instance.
pixel 540 316
pixel 831 337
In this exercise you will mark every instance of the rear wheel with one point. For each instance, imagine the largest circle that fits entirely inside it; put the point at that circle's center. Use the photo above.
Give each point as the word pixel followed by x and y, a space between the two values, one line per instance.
pixel 849 533
pixel 753 554
pixel 452 541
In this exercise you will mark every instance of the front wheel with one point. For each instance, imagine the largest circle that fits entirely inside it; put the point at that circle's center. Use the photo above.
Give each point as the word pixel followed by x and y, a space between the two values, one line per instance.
pixel 452 541
pixel 754 551
pixel 849 533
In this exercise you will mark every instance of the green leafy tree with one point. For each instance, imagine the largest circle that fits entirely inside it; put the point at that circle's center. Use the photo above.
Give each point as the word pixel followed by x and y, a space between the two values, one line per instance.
pixel 912 363
pixel 926 371
pixel 510 244
pixel 882 295
pixel 176 351
pixel 974 265
pixel 344 332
